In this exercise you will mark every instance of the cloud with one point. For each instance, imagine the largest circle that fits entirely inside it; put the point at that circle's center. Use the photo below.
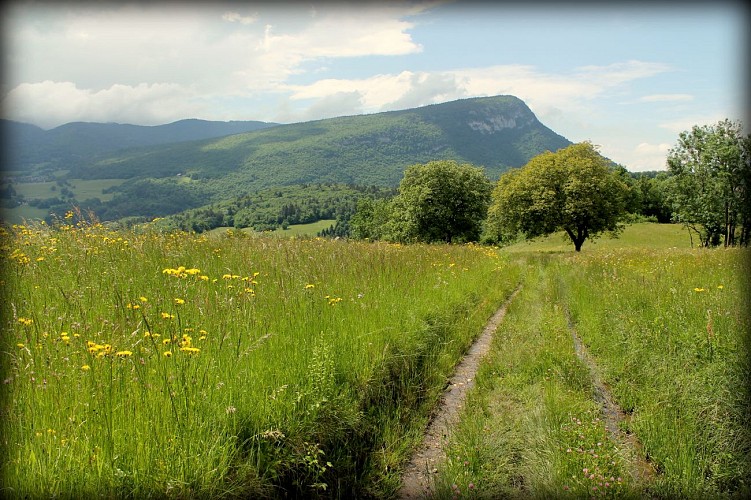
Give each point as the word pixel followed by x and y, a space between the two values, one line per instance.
pixel 236 17
pixel 49 104
pixel 646 156
pixel 686 123
pixel 339 104
pixel 666 98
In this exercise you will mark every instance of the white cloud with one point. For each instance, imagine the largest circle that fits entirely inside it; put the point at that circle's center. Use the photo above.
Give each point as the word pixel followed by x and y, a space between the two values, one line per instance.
pixel 647 156
pixel 687 122
pixel 666 98
pixel 236 17
pixel 49 104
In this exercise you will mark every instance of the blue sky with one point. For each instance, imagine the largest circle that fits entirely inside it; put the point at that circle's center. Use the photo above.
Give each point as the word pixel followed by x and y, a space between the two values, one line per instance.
pixel 627 76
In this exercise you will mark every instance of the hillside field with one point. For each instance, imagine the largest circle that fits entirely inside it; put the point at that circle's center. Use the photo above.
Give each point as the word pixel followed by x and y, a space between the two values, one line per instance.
pixel 143 363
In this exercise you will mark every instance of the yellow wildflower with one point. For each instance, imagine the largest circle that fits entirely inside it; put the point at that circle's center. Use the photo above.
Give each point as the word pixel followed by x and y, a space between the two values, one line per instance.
pixel 167 354
pixel 309 286
pixel 123 354
pixel 179 301
pixel 20 346
pixel 190 350
pixel 85 368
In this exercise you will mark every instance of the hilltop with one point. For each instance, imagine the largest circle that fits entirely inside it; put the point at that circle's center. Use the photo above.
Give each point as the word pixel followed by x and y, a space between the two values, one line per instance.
pixel 496 133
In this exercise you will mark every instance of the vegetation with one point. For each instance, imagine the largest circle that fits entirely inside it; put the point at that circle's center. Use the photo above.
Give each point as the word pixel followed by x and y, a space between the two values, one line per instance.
pixel 370 150
pixel 711 185
pixel 573 190
pixel 178 365
pixel 668 331
pixel 440 201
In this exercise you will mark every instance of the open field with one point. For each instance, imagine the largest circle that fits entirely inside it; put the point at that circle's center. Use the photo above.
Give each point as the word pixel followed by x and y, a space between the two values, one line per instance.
pixel 175 365
pixel 81 189
pixel 667 329
pixel 293 230
pixel 183 365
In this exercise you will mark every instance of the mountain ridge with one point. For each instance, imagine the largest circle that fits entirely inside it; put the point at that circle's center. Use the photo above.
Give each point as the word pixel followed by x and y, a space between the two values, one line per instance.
pixel 496 133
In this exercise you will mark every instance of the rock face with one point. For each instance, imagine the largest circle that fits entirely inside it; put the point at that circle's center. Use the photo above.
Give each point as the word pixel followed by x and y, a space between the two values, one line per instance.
pixel 492 124
pixel 493 118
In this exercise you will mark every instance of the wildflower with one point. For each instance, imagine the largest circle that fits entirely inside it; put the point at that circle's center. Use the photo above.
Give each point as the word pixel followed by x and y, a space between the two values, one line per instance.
pixel 190 350
pixel 143 299
pixel 85 368
pixel 166 315
pixel 123 354
pixel 167 354
pixel 699 290
pixel 720 287
pixel 26 321
pixel 309 286
pixel 20 346
pixel 179 301
pixel 166 341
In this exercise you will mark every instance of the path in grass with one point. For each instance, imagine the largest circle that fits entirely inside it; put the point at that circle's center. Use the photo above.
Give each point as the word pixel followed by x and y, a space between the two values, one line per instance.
pixel 613 415
pixel 416 482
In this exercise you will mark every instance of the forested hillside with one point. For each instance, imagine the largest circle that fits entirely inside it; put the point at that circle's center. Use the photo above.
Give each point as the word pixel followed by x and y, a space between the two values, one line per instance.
pixel 495 133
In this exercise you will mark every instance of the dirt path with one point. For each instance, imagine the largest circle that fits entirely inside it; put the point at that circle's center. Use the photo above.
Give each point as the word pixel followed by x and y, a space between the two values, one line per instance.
pixel 417 479
pixel 613 415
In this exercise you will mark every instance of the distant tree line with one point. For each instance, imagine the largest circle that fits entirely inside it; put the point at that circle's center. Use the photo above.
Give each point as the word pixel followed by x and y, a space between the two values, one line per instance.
pixel 575 190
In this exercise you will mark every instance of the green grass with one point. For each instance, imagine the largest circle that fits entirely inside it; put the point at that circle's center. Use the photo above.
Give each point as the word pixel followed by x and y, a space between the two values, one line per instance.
pixel 311 229
pixel 639 235
pixel 531 428
pixel 81 189
pixel 669 331
pixel 297 367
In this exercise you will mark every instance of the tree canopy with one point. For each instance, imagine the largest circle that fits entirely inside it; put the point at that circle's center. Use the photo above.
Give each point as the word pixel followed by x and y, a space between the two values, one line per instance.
pixel 573 190
pixel 711 177
pixel 440 201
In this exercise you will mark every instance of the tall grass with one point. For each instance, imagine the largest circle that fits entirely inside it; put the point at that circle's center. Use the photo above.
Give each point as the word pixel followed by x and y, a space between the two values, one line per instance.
pixel 671 332
pixel 532 429
pixel 145 364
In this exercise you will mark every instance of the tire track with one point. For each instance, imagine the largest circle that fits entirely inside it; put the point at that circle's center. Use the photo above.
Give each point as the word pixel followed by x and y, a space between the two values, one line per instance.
pixel 418 475
pixel 642 469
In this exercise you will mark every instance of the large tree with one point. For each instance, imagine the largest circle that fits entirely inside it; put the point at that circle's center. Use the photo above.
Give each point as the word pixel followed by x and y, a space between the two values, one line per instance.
pixel 440 201
pixel 711 177
pixel 573 190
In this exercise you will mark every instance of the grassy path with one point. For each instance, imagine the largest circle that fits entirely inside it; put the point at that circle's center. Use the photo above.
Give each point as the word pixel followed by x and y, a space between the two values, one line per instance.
pixel 417 480
pixel 617 374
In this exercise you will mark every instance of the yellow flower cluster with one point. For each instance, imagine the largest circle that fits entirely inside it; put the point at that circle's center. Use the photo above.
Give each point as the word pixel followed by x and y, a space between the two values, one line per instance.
pixel 183 272
pixel 99 350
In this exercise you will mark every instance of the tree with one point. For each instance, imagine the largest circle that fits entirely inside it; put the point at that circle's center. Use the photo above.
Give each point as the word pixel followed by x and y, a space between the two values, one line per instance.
pixel 573 190
pixel 711 177
pixel 440 201
pixel 370 219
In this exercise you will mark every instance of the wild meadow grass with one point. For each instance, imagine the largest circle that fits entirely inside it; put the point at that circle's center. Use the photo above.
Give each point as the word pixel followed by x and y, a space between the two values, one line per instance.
pixel 668 329
pixel 671 332
pixel 531 428
pixel 140 364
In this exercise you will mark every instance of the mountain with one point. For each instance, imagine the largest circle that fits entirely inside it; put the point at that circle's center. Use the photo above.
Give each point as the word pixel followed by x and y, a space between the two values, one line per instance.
pixel 366 150
pixel 27 147
pixel 495 132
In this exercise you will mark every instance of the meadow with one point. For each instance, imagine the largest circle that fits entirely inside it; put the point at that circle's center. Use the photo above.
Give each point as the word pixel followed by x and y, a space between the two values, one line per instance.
pixel 173 365
pixel 143 364
pixel 666 326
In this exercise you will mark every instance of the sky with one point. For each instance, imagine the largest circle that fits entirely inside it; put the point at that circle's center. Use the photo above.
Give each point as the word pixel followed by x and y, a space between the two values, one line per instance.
pixel 629 77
